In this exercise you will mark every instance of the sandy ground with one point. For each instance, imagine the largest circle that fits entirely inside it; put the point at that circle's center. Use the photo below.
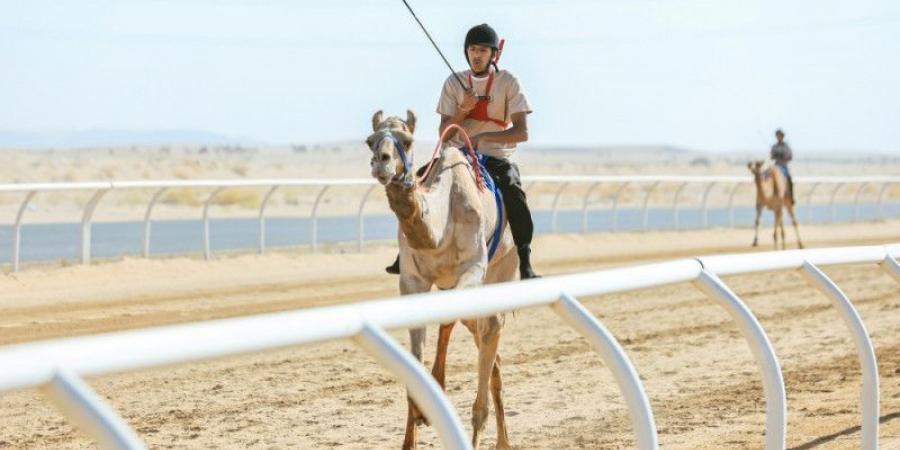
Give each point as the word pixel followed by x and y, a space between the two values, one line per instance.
pixel 698 372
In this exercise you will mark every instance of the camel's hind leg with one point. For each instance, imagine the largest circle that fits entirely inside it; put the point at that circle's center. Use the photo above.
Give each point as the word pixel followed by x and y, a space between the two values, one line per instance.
pixel 781 227
pixel 779 220
pixel 497 395
pixel 796 227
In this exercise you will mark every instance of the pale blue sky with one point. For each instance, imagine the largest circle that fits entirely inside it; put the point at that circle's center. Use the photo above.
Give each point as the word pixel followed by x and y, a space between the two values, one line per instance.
pixel 712 75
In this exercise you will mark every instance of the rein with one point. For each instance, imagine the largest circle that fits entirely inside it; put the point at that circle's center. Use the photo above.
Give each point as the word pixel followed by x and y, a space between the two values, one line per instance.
pixel 469 152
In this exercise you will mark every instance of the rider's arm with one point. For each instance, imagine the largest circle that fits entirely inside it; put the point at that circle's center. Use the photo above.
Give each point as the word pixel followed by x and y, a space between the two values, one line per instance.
pixel 513 135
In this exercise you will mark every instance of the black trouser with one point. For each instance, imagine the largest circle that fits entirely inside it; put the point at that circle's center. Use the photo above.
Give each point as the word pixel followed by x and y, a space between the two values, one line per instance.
pixel 506 176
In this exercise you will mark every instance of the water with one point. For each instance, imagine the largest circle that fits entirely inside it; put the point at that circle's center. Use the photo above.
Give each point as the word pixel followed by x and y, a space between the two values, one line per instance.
pixel 61 241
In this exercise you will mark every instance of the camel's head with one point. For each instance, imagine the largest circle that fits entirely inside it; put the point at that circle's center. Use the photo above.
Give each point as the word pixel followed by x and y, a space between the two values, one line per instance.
pixel 756 166
pixel 391 145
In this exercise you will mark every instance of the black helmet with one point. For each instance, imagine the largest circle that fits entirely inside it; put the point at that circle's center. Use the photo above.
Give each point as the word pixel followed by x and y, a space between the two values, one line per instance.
pixel 482 35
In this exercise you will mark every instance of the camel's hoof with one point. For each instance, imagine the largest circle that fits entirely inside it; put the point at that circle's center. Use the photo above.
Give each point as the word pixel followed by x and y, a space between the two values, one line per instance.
pixel 420 419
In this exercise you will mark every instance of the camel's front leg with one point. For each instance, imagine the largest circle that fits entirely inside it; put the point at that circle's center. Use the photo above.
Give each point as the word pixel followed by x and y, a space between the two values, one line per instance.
pixel 759 209
pixel 411 285
pixel 489 339
pixel 440 358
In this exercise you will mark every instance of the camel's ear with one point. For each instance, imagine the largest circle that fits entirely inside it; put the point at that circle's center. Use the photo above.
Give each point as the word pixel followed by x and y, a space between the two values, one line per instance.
pixel 411 120
pixel 377 118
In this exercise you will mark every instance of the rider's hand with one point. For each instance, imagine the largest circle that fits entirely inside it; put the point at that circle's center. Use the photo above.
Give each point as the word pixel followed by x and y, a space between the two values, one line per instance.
pixel 469 101
pixel 478 140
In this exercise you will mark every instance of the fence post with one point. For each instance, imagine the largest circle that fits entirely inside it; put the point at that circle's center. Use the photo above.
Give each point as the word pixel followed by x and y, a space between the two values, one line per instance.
pixel 856 201
pixel 705 209
pixel 675 204
pixel 891 266
pixel 773 382
pixel 17 230
pixel 881 199
pixel 833 195
pixel 615 209
pixel 864 350
pixel 86 224
pixel 313 217
pixel 731 204
pixel 361 220
pixel 809 202
pixel 421 386
pixel 556 203
pixel 647 201
pixel 584 207
pixel 156 196
pixel 613 355
pixel 262 218
pixel 207 253
pixel 88 410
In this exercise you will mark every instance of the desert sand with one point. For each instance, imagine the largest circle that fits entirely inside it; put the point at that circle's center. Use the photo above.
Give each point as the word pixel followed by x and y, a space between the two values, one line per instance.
pixel 698 372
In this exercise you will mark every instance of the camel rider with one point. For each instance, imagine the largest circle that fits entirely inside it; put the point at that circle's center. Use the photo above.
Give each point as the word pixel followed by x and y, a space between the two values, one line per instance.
pixel 781 153
pixel 493 112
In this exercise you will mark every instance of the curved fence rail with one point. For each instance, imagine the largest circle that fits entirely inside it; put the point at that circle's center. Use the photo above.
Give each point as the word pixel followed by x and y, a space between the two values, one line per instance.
pixel 649 185
pixel 57 366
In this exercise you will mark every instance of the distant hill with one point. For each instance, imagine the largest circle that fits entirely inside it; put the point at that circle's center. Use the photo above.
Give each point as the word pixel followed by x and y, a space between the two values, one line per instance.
pixel 102 137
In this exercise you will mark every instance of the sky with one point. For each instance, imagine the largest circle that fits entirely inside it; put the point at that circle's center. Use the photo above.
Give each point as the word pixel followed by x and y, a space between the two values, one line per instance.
pixel 710 75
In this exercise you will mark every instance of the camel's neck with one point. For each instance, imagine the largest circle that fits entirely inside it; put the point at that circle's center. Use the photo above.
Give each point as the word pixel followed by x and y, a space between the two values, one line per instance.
pixel 411 210
pixel 760 192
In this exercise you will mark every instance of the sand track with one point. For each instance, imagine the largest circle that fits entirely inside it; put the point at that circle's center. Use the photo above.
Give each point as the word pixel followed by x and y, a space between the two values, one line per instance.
pixel 698 371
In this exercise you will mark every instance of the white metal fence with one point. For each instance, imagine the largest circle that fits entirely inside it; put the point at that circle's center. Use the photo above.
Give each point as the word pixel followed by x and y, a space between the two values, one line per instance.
pixel 58 366
pixel 322 186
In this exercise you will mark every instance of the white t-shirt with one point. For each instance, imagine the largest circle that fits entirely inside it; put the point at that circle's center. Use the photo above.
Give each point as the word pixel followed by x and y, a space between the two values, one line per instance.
pixel 507 99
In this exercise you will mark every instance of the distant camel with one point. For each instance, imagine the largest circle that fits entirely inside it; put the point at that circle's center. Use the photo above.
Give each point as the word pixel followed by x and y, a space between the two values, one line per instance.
pixel 444 224
pixel 772 192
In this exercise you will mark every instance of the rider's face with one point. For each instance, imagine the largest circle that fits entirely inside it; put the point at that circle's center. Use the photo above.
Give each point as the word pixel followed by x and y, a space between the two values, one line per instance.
pixel 479 57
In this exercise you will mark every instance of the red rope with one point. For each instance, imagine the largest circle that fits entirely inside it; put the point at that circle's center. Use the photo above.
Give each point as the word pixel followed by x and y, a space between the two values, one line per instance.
pixel 470 153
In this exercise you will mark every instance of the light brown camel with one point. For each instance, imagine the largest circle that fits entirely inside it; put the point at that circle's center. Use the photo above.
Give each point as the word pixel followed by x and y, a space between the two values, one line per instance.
pixel 444 223
pixel 772 192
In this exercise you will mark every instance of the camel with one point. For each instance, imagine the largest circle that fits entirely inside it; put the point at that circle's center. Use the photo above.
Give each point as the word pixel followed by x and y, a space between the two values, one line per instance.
pixel 444 224
pixel 772 193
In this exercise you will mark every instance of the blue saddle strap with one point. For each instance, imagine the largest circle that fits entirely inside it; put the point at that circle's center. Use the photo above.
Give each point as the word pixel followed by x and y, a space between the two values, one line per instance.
pixel 494 240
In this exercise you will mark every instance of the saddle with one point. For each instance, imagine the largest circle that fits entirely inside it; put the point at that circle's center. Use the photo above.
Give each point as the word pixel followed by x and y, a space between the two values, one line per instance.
pixel 494 241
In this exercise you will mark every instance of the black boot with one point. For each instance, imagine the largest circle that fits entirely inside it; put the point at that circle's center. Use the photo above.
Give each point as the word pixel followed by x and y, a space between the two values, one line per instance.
pixel 525 270
pixel 394 268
